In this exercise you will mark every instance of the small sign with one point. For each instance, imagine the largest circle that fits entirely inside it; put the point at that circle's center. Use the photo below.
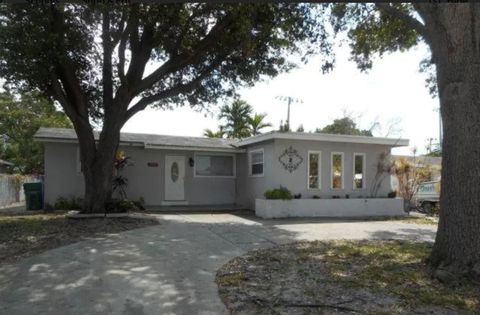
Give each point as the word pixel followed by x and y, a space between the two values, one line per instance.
pixel 152 164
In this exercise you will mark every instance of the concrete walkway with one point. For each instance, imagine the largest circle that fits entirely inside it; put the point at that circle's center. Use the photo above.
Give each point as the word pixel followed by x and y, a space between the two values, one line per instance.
pixel 165 269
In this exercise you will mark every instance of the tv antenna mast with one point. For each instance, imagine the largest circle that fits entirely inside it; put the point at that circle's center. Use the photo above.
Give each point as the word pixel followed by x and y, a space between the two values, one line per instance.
pixel 289 100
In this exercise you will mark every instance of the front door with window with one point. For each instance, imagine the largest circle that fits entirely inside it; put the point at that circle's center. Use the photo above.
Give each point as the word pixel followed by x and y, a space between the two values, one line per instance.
pixel 174 178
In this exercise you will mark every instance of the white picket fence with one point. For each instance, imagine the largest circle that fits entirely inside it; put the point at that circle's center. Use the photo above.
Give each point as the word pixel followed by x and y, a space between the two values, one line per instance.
pixel 9 192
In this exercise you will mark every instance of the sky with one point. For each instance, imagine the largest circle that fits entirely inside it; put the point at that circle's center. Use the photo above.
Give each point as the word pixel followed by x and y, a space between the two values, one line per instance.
pixel 393 91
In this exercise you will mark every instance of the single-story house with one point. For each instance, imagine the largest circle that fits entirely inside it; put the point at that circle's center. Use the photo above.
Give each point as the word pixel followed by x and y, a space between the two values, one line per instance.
pixel 329 173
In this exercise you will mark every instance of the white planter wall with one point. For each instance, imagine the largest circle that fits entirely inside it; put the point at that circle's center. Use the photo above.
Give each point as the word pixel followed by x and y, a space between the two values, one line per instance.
pixel 269 209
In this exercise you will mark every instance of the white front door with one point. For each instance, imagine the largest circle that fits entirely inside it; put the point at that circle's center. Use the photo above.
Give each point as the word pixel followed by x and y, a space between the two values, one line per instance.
pixel 174 177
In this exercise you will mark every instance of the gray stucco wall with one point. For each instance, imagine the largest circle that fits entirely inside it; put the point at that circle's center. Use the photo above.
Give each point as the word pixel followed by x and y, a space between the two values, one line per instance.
pixel 62 179
pixel 251 187
pixel 276 175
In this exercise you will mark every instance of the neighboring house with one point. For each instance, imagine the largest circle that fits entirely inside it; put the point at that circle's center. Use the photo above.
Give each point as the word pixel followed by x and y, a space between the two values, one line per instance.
pixel 5 166
pixel 172 170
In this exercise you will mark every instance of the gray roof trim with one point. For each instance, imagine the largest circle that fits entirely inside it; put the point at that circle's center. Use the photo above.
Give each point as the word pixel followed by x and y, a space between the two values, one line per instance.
pixel 172 147
pixel 322 137
pixel 151 141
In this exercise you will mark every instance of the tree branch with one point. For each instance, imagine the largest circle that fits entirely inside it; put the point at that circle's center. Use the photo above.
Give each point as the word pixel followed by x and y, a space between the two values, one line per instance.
pixel 65 71
pixel 107 61
pixel 176 90
pixel 413 22
pixel 178 62
pixel 127 32
pixel 141 50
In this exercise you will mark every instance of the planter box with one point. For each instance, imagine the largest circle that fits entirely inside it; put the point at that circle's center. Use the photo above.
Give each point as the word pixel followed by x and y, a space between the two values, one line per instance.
pixel 306 208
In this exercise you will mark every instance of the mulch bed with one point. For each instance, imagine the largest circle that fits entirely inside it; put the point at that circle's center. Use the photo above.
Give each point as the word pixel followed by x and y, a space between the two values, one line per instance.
pixel 340 277
pixel 24 235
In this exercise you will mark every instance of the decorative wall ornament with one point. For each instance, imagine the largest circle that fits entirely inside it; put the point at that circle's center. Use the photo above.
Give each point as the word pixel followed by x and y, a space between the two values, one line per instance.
pixel 290 159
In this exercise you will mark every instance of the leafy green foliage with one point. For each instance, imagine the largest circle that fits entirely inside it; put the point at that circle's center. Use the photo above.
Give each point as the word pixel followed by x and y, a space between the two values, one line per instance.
pixel 120 183
pixel 239 122
pixel 20 118
pixel 214 134
pixel 372 31
pixel 281 193
pixel 216 47
pixel 124 205
pixel 257 123
pixel 344 126
pixel 63 203
pixel 236 117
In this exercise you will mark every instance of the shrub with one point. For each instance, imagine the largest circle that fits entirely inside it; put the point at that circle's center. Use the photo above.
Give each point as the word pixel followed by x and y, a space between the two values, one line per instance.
pixel 120 206
pixel 392 194
pixel 278 193
pixel 72 203
pixel 316 197
pixel 140 203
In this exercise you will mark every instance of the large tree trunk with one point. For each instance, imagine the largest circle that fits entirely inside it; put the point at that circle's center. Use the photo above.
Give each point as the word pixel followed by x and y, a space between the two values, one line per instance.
pixel 98 158
pixel 455 42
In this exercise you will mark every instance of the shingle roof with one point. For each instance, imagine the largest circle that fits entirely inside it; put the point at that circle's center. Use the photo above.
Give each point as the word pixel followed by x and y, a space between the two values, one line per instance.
pixel 146 140
pixel 163 141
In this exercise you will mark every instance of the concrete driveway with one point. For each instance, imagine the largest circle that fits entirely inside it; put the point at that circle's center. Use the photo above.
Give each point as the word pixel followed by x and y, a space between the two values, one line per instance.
pixel 165 269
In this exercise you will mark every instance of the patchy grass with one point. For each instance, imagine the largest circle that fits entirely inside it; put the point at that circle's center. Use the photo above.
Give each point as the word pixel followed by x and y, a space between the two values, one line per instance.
pixel 374 277
pixel 408 219
pixel 26 235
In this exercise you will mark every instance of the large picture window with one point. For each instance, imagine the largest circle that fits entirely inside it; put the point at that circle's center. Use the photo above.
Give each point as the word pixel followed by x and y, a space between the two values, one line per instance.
pixel 358 170
pixel 314 166
pixel 256 162
pixel 337 170
pixel 208 165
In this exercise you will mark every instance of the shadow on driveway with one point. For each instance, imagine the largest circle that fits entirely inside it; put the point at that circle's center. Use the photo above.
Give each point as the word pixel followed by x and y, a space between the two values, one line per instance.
pixel 164 269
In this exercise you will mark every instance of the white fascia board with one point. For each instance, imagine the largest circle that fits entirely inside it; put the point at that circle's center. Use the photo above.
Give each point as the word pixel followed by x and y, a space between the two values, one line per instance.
pixel 75 141
pixel 323 137
pixel 184 148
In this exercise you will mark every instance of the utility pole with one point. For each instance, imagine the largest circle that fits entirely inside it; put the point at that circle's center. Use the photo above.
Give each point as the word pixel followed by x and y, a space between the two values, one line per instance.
pixel 289 101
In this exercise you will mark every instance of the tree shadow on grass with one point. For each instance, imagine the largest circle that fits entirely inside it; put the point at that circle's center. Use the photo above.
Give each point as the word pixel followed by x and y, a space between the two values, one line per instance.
pixel 168 268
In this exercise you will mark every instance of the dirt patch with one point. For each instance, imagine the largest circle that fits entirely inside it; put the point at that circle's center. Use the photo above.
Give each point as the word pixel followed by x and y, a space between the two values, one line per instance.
pixel 340 277
pixel 25 235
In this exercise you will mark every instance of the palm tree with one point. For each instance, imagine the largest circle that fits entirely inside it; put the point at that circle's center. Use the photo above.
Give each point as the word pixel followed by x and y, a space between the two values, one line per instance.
pixel 214 134
pixel 236 118
pixel 257 123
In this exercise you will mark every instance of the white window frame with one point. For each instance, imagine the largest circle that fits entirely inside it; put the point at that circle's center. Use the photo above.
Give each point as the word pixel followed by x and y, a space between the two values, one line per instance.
pixel 250 153
pixel 343 170
pixel 319 153
pixel 364 164
pixel 217 154
pixel 78 164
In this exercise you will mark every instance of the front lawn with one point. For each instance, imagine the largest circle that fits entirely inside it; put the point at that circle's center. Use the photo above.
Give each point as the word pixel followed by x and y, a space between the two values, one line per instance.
pixel 341 277
pixel 26 235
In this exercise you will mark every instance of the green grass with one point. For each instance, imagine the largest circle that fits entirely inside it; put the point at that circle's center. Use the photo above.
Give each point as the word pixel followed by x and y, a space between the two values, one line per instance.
pixel 230 279
pixel 29 227
pixel 396 267
pixel 407 219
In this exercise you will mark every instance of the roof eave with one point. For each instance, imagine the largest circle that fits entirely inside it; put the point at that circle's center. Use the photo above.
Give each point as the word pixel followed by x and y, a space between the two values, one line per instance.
pixel 326 138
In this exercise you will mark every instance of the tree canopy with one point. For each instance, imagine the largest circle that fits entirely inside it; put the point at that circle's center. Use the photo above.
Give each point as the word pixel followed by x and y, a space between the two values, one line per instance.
pixel 104 64
pixel 20 118
pixel 238 121
pixel 345 126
